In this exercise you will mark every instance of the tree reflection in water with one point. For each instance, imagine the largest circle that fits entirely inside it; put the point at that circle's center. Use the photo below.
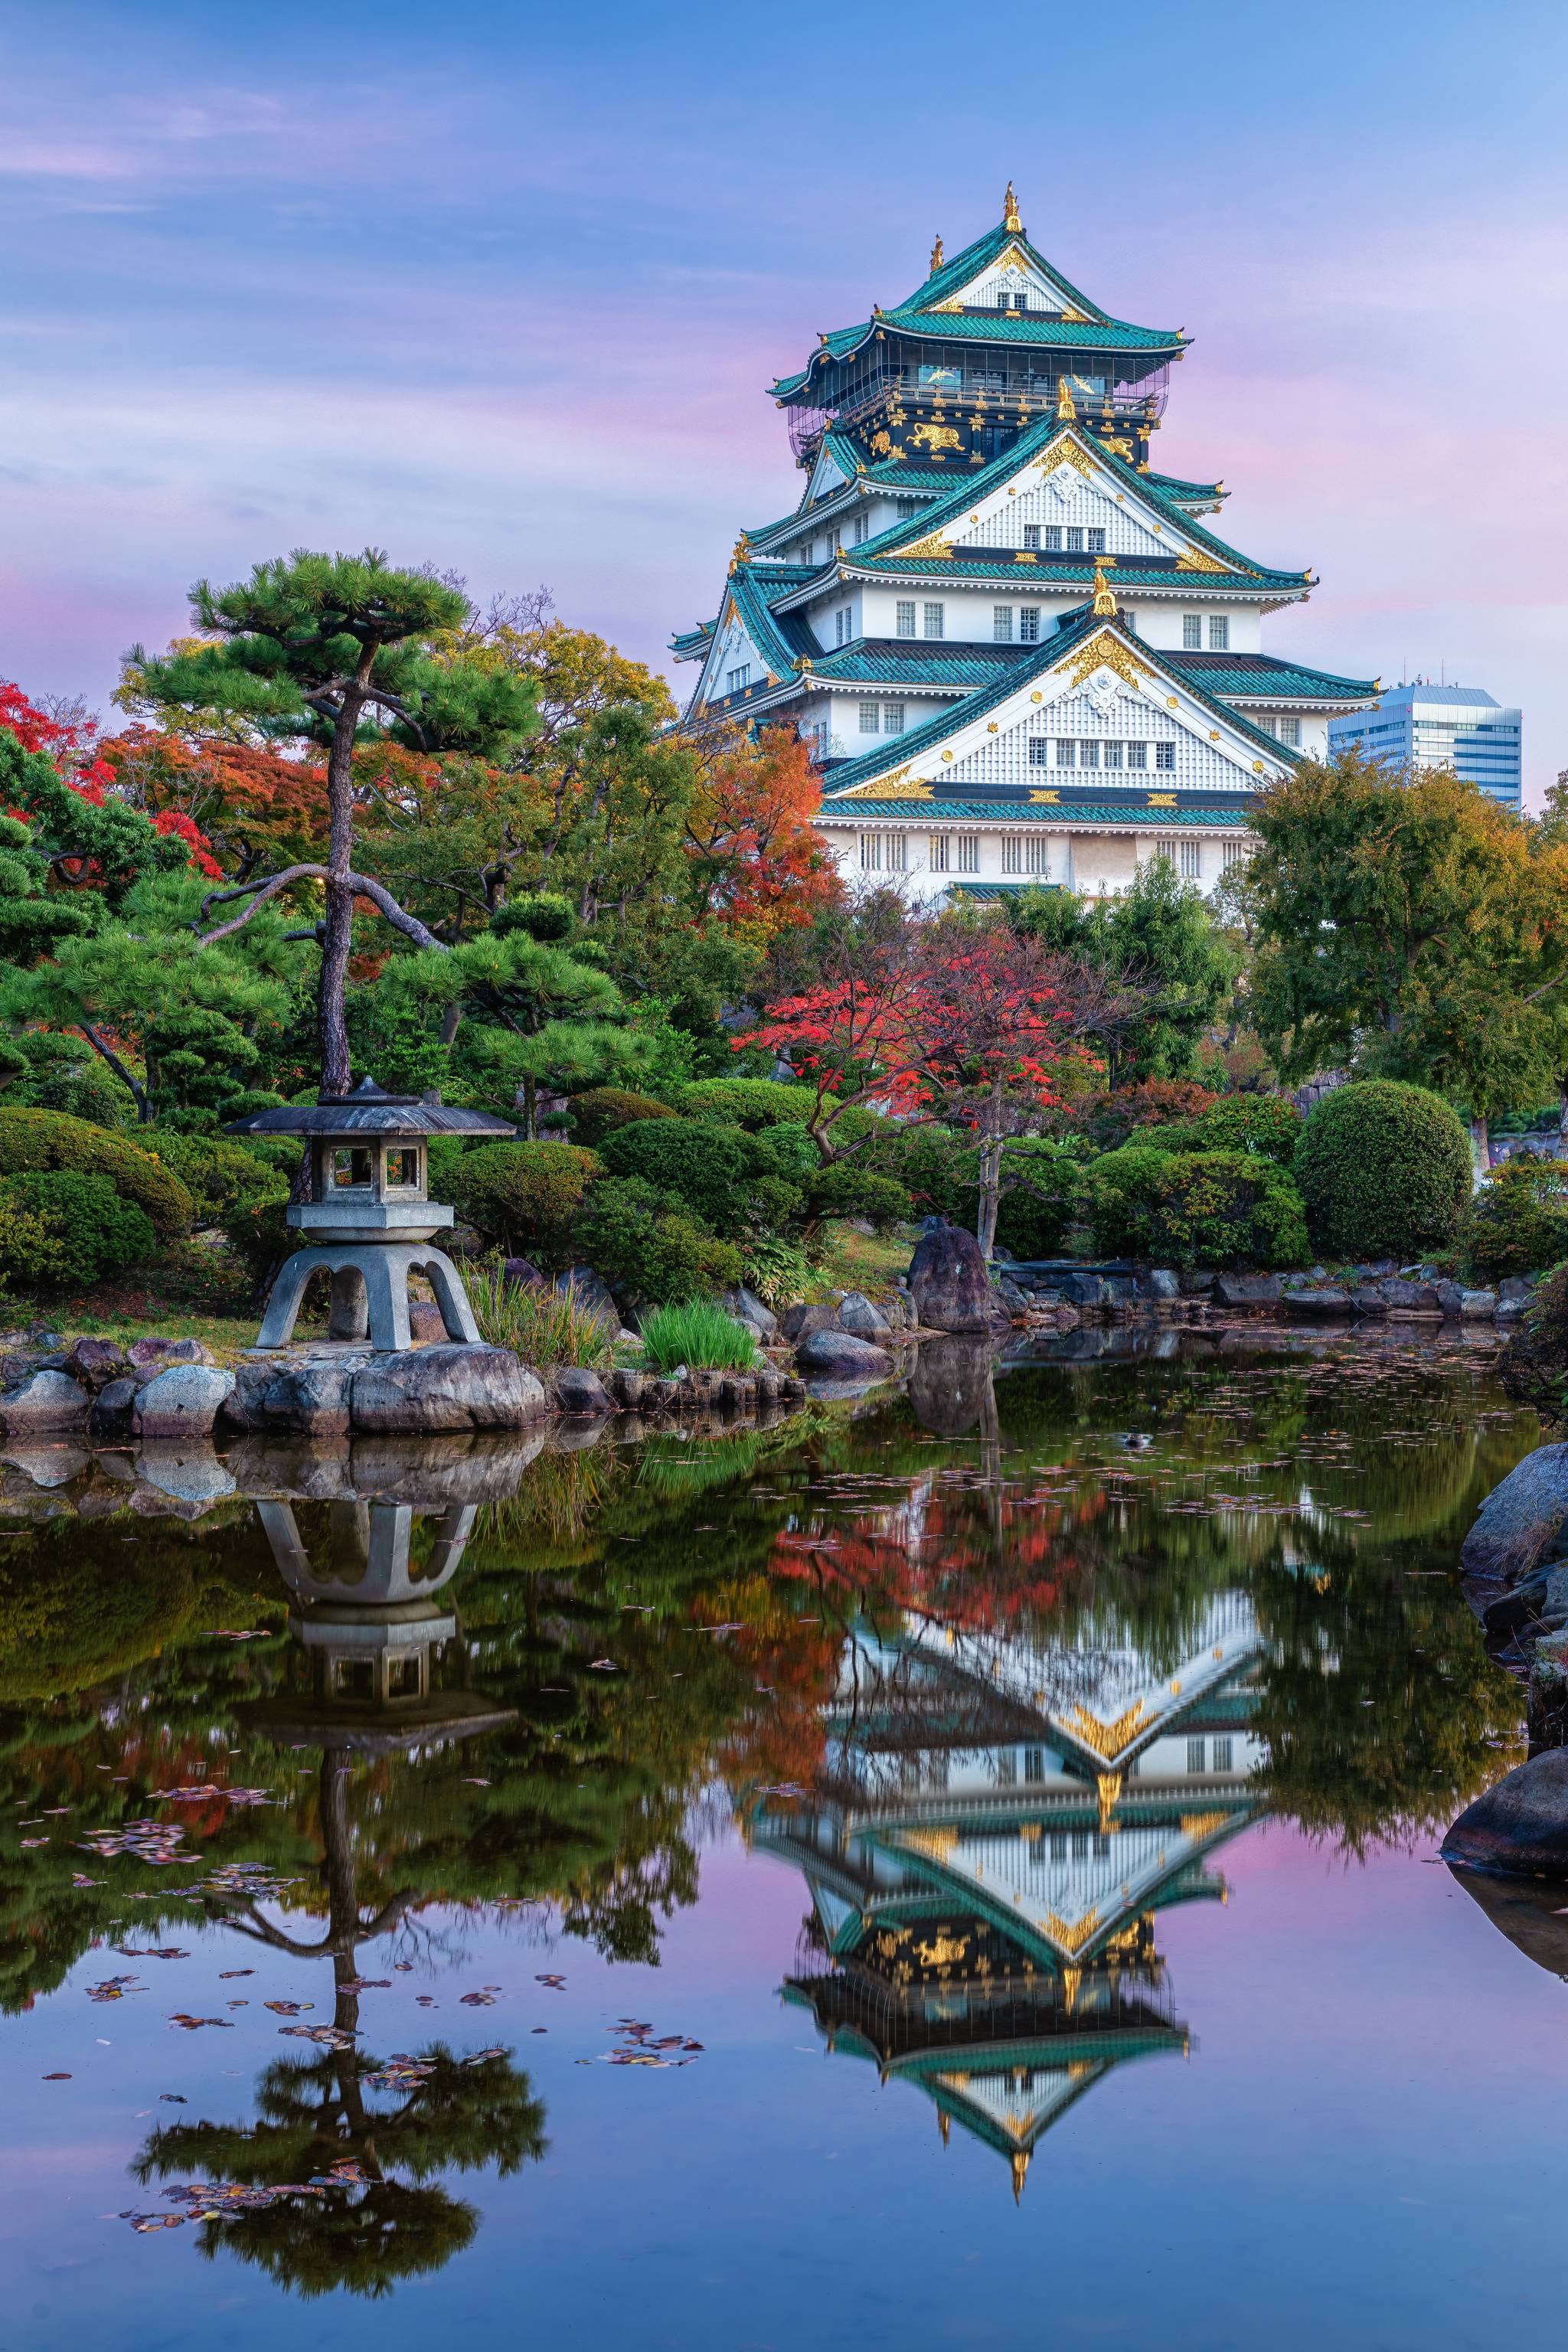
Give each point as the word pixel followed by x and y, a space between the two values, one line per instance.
pixel 953 1624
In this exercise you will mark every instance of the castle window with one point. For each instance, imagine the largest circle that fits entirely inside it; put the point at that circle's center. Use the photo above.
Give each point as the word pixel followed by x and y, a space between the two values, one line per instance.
pixel 1137 755
pixel 1053 538
pixel 1088 755
pixel 1164 755
pixel 892 718
pixel 1067 752
pixel 1219 634
pixel 905 620
pixel 933 620
pixel 871 853
pixel 862 529
pixel 1012 852
pixel 1223 1755
pixel 871 719
pixel 906 508
pixel 737 681
pixel 939 849
pixel 1002 623
pixel 1074 540
pixel 808 553
pixel 1191 861
pixel 1290 731
pixel 968 859
pixel 1232 853
pixel 1197 1755
pixel 1097 542
pixel 1030 623
pixel 1034 1763
pixel 1038 854
pixel 898 852
pixel 1031 534
pixel 1192 633
pixel 1038 751
pixel 1113 755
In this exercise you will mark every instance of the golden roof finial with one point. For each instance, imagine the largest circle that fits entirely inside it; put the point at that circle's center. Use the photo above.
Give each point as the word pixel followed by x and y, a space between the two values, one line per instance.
pixel 936 255
pixel 1104 601
pixel 743 553
pixel 1020 2174
pixel 1065 413
pixel 1010 220
pixel 941 2117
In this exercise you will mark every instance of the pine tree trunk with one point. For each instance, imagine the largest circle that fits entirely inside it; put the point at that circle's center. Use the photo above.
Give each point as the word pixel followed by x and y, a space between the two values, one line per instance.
pixel 337 930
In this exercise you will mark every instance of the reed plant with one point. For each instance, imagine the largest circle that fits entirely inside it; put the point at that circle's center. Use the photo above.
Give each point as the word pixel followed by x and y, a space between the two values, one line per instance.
pixel 540 1326
pixel 698 1333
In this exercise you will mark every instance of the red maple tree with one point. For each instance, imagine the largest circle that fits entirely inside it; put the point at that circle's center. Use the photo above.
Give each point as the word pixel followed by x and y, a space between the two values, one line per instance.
pixel 757 859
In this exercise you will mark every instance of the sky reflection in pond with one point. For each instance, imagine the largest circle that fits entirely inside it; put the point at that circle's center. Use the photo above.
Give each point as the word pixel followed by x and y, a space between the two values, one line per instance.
pixel 997 1736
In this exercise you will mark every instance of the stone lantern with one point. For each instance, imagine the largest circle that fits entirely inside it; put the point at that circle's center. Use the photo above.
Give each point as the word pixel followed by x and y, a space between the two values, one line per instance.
pixel 370 1221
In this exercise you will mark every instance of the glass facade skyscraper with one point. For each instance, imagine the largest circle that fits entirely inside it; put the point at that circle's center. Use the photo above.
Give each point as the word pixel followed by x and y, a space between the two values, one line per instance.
pixel 1457 726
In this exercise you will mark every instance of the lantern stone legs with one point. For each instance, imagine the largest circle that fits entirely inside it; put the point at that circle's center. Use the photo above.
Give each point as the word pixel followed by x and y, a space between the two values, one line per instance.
pixel 369 1294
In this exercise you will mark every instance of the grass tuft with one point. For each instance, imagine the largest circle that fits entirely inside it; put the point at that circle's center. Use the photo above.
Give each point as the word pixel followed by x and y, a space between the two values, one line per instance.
pixel 699 1333
pixel 542 1326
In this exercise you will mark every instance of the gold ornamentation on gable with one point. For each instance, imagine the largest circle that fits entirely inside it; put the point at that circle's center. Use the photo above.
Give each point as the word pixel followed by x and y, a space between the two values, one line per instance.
pixel 1197 558
pixel 933 548
pixel 1119 444
pixel 1052 800
pixel 1104 651
pixel 1107 1740
pixel 952 303
pixel 1066 452
pixel 1161 799
pixel 936 1844
pixel 935 437
pixel 1010 220
pixel 897 785
pixel 1073 318
pixel 1071 1940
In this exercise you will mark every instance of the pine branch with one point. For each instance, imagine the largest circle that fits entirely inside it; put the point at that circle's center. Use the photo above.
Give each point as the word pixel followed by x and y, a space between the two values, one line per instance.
pixel 361 886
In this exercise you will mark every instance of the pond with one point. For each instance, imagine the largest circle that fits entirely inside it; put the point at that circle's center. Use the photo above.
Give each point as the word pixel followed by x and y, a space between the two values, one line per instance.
pixel 1006 1811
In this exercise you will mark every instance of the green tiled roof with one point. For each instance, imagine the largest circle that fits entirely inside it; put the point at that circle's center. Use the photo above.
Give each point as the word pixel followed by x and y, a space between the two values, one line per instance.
pixel 1039 437
pixel 686 642
pixel 890 473
pixel 1145 820
pixel 1097 330
pixel 1248 677
pixel 893 661
pixel 1052 650
pixel 1172 485
pixel 1048 575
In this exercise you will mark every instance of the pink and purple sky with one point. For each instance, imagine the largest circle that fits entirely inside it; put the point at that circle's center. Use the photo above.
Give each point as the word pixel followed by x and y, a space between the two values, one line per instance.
pixel 499 287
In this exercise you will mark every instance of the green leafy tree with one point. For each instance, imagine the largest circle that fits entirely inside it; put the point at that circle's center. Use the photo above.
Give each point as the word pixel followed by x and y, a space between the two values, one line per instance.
pixel 320 650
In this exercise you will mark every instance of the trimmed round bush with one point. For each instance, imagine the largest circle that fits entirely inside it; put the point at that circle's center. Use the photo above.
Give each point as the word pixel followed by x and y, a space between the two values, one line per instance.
pixel 600 1110
pixel 647 1250
pixel 1518 1221
pixel 524 1196
pixel 544 915
pixel 224 1178
pixel 847 1189
pixel 1265 1123
pixel 1383 1170
pixel 64 1228
pixel 703 1167
pixel 750 1103
pixel 1197 1208
pixel 32 1141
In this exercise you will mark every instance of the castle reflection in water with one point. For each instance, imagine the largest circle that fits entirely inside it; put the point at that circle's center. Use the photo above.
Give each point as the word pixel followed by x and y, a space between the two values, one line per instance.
pixel 999 1826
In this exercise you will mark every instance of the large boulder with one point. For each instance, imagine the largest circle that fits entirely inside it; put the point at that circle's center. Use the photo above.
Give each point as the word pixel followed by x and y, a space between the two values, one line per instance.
pixel 1477 1305
pixel 1082 1290
pixel 800 1318
pixel 183 1402
pixel 1517 1523
pixel 839 1356
pixel 1318 1305
pixel 950 1283
pixel 1160 1283
pixel 862 1315
pixel 309 1394
pixel 576 1390
pixel 1521 1826
pixel 444 1388
pixel 96 1362
pixel 152 1355
pixel 1010 1295
pixel 756 1313
pixel 589 1295
pixel 47 1400
pixel 1248 1289
pixel 1402 1297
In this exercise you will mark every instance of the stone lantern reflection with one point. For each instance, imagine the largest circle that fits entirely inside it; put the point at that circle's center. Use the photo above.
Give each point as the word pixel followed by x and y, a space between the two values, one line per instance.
pixel 370 1221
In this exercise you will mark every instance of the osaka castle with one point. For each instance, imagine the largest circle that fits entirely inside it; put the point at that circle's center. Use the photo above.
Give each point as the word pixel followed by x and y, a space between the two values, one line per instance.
pixel 1020 653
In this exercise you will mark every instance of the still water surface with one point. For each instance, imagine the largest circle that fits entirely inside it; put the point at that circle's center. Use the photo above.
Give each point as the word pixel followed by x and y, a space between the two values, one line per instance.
pixel 934 1873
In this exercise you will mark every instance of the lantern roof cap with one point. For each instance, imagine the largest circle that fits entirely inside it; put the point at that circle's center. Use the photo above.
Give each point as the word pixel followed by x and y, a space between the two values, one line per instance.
pixel 371 1110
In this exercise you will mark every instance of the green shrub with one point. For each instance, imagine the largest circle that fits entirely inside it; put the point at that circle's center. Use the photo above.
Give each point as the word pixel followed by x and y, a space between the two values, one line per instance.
pixel 600 1110
pixel 48 1070
pixel 540 1326
pixel 750 1103
pixel 1044 1195
pixel 849 1189
pixel 1265 1123
pixel 32 1141
pixel 1196 1208
pixel 695 1331
pixel 776 1270
pixel 647 1249
pixel 544 915
pixel 1385 1170
pixel 524 1196
pixel 1518 1221
pixel 258 1234
pixel 704 1167
pixel 936 1168
pixel 64 1228
pixel 224 1178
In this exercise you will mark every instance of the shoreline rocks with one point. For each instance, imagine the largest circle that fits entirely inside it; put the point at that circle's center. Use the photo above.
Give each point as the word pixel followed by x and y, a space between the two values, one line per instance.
pixel 1521 1826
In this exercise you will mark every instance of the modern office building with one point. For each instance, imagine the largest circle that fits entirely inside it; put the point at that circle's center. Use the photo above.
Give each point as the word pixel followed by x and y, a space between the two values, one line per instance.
pixel 1020 653
pixel 1425 726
